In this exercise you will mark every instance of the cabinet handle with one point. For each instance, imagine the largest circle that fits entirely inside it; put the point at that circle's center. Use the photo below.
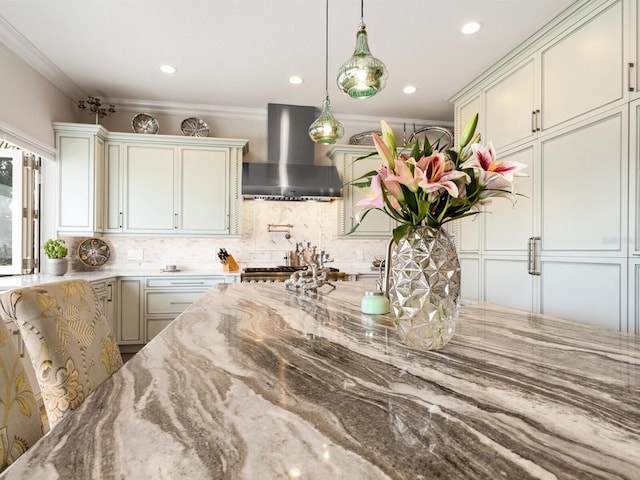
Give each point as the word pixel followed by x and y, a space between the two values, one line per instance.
pixel 109 292
pixel 180 303
pixel 533 121
pixel 186 283
pixel 630 76
pixel 120 217
pixel 534 256
pixel 538 120
pixel 228 221
pixel 175 221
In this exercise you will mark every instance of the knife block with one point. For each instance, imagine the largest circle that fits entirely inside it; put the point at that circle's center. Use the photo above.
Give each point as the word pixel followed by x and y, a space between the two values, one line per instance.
pixel 231 265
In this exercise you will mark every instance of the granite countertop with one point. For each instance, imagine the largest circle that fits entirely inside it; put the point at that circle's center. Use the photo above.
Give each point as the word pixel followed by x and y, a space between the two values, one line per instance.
pixel 253 381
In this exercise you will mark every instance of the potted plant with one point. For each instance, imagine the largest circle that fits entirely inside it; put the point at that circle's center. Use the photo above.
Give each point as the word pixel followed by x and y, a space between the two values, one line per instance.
pixel 56 252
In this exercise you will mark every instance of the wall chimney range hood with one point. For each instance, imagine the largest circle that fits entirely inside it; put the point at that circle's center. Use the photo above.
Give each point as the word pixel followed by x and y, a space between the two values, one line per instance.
pixel 290 172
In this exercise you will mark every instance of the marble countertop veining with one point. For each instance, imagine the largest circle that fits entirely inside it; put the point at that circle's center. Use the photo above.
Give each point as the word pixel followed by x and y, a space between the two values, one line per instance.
pixel 253 381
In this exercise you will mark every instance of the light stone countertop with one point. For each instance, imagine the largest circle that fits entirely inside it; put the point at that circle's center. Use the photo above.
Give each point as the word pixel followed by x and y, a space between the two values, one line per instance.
pixel 253 381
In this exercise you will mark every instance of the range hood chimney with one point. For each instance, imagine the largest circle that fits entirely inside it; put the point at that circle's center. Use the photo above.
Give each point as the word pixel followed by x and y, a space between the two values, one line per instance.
pixel 290 172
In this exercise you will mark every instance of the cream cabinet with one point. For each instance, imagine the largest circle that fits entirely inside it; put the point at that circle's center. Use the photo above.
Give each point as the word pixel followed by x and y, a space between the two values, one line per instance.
pixel 376 224
pixel 563 249
pixel 153 185
pixel 81 178
pixel 106 294
pixel 575 67
pixel 166 298
pixel 130 323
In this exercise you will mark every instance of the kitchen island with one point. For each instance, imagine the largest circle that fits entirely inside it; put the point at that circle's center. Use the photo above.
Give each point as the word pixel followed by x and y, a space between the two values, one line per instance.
pixel 253 381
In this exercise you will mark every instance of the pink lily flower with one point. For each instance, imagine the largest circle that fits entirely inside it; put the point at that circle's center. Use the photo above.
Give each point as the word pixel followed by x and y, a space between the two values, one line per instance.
pixel 392 185
pixel 384 150
pixel 438 175
pixel 405 176
pixel 485 163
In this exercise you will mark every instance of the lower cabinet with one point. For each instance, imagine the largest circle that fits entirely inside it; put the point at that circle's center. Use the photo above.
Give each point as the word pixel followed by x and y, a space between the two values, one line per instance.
pixel 166 298
pixel 146 305
pixel 106 293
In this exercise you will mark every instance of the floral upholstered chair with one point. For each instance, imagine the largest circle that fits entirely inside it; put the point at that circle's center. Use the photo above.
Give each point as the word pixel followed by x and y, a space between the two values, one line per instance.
pixel 68 339
pixel 20 422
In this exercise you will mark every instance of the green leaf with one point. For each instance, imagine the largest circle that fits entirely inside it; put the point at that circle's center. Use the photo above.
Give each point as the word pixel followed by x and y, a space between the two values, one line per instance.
pixel 400 232
pixel 469 130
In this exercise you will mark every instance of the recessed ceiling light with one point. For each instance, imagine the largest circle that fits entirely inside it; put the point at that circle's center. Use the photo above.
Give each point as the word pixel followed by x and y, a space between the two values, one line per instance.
pixel 295 80
pixel 167 68
pixel 470 28
pixel 409 89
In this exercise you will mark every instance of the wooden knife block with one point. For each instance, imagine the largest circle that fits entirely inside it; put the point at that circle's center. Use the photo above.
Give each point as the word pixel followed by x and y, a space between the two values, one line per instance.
pixel 231 265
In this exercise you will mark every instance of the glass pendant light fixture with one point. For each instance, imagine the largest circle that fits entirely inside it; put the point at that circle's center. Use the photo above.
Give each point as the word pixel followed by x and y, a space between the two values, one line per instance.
pixel 362 75
pixel 326 129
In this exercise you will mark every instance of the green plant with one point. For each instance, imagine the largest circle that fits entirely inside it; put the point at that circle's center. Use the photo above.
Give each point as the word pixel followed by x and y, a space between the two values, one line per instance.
pixel 55 249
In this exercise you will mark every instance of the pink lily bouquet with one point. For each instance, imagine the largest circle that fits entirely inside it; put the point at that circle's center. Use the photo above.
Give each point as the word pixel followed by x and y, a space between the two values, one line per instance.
pixel 431 187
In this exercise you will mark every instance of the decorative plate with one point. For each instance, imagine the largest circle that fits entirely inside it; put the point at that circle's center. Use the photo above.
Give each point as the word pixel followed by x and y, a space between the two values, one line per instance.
pixel 145 123
pixel 434 134
pixel 93 252
pixel 194 127
pixel 364 138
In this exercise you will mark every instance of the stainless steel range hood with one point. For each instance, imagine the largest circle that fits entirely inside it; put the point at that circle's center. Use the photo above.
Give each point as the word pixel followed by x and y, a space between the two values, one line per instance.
pixel 290 172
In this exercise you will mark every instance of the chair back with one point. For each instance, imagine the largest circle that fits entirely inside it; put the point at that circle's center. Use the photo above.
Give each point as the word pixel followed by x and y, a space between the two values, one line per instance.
pixel 20 421
pixel 68 338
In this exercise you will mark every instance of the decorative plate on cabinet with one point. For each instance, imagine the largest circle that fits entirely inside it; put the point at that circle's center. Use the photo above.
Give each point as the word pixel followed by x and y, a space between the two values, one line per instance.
pixel 363 138
pixel 145 123
pixel 93 252
pixel 194 127
pixel 440 135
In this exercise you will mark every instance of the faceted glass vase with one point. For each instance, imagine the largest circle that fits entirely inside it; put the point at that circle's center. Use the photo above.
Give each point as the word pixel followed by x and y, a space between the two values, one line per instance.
pixel 424 288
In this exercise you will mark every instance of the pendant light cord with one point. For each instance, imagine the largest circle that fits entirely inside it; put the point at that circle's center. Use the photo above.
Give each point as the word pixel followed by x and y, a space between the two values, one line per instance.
pixel 361 11
pixel 326 50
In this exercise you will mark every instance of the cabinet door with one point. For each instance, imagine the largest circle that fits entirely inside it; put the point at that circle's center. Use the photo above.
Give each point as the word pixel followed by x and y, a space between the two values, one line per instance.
pixel 633 324
pixel 584 177
pixel 203 202
pixel 507 227
pixel 130 321
pixel 113 187
pixel 81 168
pixel 509 106
pixel 591 291
pixel 634 178
pixel 149 189
pixel 584 70
pixel 507 282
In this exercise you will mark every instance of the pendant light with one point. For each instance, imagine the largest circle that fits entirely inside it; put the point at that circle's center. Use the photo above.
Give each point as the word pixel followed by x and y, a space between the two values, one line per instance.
pixel 326 129
pixel 363 75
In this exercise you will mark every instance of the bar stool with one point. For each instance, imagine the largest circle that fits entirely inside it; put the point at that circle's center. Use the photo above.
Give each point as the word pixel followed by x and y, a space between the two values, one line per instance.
pixel 20 422
pixel 67 336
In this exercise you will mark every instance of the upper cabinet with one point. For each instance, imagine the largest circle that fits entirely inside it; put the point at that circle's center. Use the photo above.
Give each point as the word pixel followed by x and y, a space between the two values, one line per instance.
pixel 81 173
pixel 155 184
pixel 376 224
pixel 576 66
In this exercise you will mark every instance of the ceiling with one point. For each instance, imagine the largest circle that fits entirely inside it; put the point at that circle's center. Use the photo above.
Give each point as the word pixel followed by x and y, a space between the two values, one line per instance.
pixel 240 53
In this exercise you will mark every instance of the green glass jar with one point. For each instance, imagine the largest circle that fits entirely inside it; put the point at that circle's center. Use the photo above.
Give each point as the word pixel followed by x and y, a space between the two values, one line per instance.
pixel 374 303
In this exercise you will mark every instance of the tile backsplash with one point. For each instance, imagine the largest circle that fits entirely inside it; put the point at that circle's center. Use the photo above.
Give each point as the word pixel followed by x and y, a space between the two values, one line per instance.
pixel 314 222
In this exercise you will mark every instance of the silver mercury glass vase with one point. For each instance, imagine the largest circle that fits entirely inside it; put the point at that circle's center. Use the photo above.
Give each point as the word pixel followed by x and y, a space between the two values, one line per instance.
pixel 424 287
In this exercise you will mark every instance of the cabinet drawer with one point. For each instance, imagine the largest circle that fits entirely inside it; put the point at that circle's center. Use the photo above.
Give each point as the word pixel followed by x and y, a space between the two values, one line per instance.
pixel 186 282
pixel 155 326
pixel 169 302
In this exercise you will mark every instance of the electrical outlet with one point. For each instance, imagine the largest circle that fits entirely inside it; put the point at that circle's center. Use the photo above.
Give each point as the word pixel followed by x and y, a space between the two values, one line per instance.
pixel 135 254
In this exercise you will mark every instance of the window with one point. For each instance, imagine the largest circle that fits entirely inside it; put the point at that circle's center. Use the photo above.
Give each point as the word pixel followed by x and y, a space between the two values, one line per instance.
pixel 19 207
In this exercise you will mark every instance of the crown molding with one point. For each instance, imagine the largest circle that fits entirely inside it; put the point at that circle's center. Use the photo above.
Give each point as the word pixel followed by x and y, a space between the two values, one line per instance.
pixel 28 53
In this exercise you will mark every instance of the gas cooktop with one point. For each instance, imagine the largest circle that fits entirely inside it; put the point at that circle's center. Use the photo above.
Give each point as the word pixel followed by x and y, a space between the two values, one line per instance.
pixel 281 273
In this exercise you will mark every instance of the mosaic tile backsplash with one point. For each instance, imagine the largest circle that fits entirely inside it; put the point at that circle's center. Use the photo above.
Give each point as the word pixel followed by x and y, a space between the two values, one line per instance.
pixel 314 222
